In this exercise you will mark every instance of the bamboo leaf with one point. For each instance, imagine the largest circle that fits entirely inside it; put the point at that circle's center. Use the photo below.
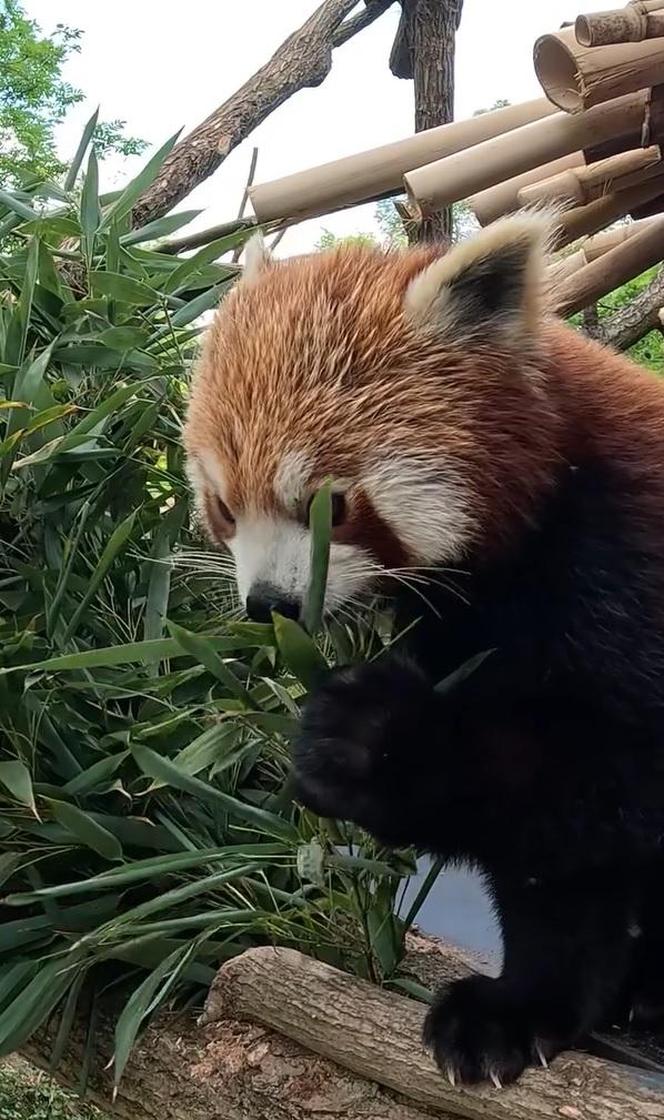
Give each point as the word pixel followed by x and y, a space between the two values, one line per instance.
pixel 85 829
pixel 79 155
pixel 320 526
pixel 15 777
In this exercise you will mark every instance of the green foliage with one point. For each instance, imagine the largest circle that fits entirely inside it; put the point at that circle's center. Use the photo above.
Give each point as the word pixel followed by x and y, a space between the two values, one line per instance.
pixel 34 98
pixel 146 826
pixel 649 351
pixel 26 1094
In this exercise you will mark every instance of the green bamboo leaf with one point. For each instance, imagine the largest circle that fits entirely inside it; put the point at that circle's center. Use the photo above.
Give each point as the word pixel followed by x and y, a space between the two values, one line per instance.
pixel 90 212
pixel 123 338
pixel 116 543
pixel 131 193
pixel 18 207
pixel 132 652
pixel 299 651
pixel 35 1003
pixel 9 861
pixel 124 288
pixel 200 648
pixel 197 306
pixel 164 770
pixel 97 774
pixel 161 227
pixel 85 829
pixel 213 746
pixel 320 526
pixel 454 679
pixel 15 777
pixel 192 266
pixel 75 164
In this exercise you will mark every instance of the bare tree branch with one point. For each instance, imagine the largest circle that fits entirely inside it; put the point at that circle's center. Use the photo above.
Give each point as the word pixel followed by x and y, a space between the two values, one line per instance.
pixel 630 323
pixel 303 59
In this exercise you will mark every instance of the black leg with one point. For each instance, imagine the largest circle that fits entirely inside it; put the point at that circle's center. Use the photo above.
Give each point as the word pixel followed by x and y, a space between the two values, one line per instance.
pixel 567 949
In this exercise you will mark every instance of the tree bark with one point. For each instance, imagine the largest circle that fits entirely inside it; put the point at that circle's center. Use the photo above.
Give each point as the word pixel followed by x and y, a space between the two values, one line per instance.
pixel 285 1037
pixel 424 50
pixel 304 59
pixel 630 323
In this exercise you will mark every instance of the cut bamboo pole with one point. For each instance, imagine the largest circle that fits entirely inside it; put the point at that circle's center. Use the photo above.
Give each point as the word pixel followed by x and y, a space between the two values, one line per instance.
pixel 504 197
pixel 582 184
pixel 575 77
pixel 601 243
pixel 611 270
pixel 583 221
pixel 632 24
pixel 458 176
pixel 367 175
pixel 560 269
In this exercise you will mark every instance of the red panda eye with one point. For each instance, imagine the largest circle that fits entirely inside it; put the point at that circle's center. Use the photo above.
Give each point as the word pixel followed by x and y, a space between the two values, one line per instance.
pixel 224 512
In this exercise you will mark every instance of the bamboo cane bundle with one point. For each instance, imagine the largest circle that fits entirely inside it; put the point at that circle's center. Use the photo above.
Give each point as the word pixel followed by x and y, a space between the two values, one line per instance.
pixel 563 267
pixel 439 184
pixel 583 221
pixel 582 184
pixel 632 24
pixel 575 77
pixel 367 175
pixel 611 270
pixel 502 199
pixel 601 243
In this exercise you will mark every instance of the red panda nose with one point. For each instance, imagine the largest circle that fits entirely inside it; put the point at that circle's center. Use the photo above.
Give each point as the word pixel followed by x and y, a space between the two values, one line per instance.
pixel 263 599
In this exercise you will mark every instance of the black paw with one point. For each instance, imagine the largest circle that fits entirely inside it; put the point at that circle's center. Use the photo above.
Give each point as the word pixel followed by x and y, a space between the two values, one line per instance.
pixel 478 1033
pixel 357 731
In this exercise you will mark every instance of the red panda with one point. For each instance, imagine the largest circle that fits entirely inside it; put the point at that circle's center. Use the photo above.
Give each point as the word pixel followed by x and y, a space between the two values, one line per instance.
pixel 470 435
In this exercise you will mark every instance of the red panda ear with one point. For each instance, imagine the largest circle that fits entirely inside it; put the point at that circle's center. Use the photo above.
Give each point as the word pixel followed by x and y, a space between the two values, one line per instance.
pixel 257 258
pixel 490 285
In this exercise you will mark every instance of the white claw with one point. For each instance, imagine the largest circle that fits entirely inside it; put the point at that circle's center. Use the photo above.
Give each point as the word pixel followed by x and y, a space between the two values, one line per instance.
pixel 632 1013
pixel 451 1076
pixel 540 1055
pixel 495 1078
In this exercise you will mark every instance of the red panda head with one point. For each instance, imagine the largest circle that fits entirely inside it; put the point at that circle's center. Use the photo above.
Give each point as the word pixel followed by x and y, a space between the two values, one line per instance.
pixel 409 378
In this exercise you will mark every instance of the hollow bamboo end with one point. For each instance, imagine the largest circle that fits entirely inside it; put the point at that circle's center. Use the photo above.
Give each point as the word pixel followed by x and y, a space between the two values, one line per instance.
pixel 557 72
pixel 583 31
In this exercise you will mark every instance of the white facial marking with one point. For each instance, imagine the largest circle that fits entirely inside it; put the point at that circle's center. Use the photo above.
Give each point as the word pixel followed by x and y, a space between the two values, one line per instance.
pixel 428 506
pixel 276 551
pixel 291 478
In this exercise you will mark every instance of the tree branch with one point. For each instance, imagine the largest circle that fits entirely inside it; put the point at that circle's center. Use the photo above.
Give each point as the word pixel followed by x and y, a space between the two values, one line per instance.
pixel 630 323
pixel 303 59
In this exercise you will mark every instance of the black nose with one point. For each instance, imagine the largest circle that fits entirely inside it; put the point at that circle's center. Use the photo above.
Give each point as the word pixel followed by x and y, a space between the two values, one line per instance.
pixel 263 599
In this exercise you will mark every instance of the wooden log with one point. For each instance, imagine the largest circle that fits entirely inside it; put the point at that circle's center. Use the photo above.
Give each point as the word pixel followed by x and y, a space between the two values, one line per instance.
pixel 377 1034
pixel 502 199
pixel 582 184
pixel 369 175
pixel 601 243
pixel 612 269
pixel 464 173
pixel 575 77
pixel 632 24
pixel 583 221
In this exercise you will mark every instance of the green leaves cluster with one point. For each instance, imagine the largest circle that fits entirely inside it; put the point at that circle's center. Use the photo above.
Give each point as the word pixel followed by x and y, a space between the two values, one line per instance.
pixel 147 830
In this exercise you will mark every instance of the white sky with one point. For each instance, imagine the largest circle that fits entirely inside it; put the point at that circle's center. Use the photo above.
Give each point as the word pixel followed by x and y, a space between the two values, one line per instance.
pixel 162 64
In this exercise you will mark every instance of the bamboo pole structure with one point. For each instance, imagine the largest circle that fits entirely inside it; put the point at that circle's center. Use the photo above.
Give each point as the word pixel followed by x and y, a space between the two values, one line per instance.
pixel 632 24
pixel 379 172
pixel 502 199
pixel 582 184
pixel 612 269
pixel 464 173
pixel 583 221
pixel 560 269
pixel 601 243
pixel 575 77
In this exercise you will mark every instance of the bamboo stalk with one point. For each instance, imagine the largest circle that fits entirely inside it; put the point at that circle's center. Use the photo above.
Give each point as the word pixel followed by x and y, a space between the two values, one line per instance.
pixel 583 221
pixel 575 77
pixel 369 175
pixel 502 199
pixel 647 5
pixel 632 24
pixel 560 269
pixel 448 180
pixel 611 270
pixel 601 243
pixel 582 184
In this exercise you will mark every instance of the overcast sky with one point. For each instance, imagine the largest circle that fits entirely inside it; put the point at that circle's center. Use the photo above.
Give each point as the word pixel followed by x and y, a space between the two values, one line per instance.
pixel 161 64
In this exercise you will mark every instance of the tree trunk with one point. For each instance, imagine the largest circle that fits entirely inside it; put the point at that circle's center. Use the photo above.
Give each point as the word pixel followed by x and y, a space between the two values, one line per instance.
pixel 630 323
pixel 424 50
pixel 304 59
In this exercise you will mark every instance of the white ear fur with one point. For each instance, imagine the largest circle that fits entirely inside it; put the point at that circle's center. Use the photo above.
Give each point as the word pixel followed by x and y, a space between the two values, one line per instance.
pixel 256 257
pixel 491 282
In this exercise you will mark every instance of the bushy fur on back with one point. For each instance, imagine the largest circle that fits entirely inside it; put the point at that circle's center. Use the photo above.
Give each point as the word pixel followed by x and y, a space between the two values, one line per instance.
pixel 465 428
